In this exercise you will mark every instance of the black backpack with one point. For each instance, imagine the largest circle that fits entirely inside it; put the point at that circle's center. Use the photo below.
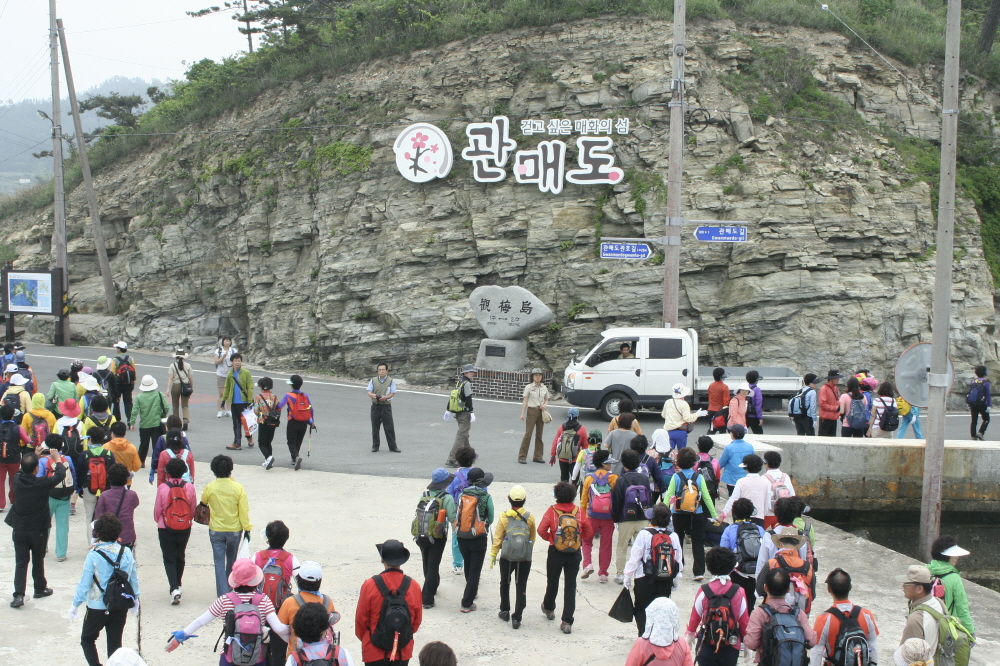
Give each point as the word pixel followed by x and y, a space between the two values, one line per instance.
pixel 118 594
pixel 73 447
pixel 13 400
pixel 889 420
pixel 747 548
pixel 851 646
pixel 394 620
pixel 10 443
pixel 707 471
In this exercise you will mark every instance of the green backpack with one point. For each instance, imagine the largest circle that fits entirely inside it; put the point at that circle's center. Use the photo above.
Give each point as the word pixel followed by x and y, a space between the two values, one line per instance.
pixel 516 545
pixel 954 640
pixel 456 402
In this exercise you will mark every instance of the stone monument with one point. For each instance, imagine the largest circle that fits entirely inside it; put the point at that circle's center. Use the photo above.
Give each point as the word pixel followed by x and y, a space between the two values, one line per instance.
pixel 507 315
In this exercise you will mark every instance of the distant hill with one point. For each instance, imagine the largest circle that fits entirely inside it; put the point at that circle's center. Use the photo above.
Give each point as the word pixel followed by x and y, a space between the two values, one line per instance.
pixel 21 129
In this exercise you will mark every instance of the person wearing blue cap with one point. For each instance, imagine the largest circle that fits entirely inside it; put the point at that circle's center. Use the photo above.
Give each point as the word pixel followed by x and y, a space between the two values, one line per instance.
pixel 566 452
pixel 435 511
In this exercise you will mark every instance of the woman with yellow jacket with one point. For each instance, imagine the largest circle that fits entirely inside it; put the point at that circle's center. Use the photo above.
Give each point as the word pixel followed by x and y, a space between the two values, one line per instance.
pixel 41 415
pixel 516 527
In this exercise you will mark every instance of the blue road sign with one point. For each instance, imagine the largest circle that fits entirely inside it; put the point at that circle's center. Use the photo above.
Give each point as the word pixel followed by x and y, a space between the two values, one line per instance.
pixel 618 250
pixel 721 234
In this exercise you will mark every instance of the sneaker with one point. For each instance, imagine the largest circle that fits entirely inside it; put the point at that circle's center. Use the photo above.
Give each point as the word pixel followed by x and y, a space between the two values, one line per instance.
pixel 698 578
pixel 220 414
pixel 515 624
pixel 504 615
pixel 566 628
pixel 250 442
pixel 587 570
pixel 602 579
pixel 185 427
pixel 235 446
pixel 298 463
pixel 72 509
pixel 269 463
pixel 547 613
pixel 469 609
pixel 428 605
pixel 18 601
pixel 60 559
pixel 176 597
pixel 47 592
pixel 619 579
pixel 458 571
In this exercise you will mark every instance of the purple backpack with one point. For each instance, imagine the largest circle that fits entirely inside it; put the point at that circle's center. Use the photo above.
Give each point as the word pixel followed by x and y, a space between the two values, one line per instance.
pixel 638 504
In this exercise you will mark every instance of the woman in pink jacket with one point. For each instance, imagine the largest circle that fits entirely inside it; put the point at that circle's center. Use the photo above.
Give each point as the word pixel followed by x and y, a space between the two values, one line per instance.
pixel 738 406
pixel 172 511
pixel 661 643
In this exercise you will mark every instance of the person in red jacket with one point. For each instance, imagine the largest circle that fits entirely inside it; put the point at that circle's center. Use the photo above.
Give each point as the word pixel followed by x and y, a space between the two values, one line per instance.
pixel 829 405
pixel 394 555
pixel 564 526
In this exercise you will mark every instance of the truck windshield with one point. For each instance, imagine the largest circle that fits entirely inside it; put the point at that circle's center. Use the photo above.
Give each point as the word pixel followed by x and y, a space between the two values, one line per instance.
pixel 611 350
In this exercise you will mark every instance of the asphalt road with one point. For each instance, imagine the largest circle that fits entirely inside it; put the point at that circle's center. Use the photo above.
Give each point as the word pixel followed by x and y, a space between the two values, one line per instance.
pixel 342 442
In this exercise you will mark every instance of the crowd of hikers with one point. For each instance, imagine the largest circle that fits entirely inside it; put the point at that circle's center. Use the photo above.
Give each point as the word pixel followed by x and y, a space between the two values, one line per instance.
pixel 752 548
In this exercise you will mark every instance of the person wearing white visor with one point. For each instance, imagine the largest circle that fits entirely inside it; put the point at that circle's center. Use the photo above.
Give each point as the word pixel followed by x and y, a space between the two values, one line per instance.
pixel 945 552
pixel 678 417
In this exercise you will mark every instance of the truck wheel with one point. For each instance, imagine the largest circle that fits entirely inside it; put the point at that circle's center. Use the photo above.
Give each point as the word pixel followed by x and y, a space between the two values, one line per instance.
pixel 609 405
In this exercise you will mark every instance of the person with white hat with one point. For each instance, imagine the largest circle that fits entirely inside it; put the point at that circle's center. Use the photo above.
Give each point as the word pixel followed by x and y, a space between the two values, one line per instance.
pixel 124 368
pixel 180 384
pixel 91 389
pixel 536 398
pixel 462 411
pixel 17 396
pixel 105 377
pixel 308 578
pixel 677 416
pixel 150 408
pixel 913 652
pixel 945 552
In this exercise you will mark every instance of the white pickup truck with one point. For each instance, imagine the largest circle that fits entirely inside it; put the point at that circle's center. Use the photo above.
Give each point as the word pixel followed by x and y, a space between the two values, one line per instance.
pixel 660 358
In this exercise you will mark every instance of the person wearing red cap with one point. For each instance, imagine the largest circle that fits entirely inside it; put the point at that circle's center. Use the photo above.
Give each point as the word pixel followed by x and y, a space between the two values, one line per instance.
pixel 378 647
pixel 244 579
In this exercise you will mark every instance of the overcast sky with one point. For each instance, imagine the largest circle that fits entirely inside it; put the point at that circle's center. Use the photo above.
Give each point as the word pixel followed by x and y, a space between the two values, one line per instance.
pixel 132 38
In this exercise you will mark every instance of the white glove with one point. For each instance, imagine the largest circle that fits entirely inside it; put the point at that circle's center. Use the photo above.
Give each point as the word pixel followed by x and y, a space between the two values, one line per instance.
pixel 472 418
pixel 700 413
pixel 73 614
pixel 627 583
pixel 447 415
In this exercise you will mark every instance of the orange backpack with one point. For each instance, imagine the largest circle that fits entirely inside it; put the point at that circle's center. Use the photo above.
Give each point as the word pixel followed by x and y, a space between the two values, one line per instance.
pixel 801 573
pixel 468 523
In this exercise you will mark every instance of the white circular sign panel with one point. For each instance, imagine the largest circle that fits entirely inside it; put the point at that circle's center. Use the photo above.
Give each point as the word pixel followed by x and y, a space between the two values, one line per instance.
pixel 423 153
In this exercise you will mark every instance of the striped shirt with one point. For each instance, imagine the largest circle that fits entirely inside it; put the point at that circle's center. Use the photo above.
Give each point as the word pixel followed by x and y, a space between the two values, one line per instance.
pixel 224 604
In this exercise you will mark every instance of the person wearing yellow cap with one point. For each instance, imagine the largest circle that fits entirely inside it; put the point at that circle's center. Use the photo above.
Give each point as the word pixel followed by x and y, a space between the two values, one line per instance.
pixel 513 540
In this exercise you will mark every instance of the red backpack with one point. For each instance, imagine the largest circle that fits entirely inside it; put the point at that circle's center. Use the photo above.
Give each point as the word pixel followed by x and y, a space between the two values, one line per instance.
pixel 177 515
pixel 299 408
pixel 720 626
pixel 39 431
pixel 277 582
pixel 97 472
pixel 661 564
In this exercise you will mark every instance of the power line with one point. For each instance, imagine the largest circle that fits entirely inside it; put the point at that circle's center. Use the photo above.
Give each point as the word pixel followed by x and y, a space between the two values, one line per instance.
pixel 40 143
pixel 134 25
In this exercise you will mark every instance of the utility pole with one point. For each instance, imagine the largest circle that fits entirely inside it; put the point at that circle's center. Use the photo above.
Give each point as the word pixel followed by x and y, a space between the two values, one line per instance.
pixel 88 182
pixel 62 336
pixel 930 504
pixel 249 35
pixel 675 172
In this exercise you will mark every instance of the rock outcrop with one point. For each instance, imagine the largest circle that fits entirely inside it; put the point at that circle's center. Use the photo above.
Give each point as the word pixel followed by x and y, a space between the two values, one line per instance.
pixel 309 246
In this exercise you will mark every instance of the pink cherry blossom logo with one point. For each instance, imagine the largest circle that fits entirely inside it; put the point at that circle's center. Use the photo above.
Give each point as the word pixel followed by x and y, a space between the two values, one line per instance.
pixel 423 152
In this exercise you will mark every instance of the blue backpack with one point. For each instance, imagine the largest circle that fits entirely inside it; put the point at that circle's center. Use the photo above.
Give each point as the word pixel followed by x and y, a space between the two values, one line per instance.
pixel 857 416
pixel 977 394
pixel 783 640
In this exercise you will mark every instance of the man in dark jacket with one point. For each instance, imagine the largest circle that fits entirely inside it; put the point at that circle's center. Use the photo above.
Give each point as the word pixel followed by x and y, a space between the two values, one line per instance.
pixel 30 522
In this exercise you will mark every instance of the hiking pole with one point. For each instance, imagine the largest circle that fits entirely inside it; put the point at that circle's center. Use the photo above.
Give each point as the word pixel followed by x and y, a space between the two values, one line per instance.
pixel 309 447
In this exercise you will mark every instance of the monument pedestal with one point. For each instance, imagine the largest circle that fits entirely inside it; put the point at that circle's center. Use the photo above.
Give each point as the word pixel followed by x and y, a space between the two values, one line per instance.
pixel 502 355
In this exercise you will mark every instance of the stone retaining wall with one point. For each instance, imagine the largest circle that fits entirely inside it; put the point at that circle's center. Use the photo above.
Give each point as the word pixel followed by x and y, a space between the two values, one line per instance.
pixel 504 385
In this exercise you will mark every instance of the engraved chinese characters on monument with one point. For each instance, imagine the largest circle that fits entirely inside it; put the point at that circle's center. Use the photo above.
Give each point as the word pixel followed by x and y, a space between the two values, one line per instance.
pixel 507 315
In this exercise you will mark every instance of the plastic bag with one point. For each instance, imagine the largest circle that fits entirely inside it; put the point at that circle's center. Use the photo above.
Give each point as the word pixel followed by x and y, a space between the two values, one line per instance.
pixel 243 553
pixel 623 610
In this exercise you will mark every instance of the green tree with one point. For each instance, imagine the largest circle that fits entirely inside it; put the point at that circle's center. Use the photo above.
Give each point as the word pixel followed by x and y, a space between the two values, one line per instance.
pixel 121 109
pixel 989 30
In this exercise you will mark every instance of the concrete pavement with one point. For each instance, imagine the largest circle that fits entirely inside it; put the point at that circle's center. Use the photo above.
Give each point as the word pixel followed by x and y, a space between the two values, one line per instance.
pixel 337 519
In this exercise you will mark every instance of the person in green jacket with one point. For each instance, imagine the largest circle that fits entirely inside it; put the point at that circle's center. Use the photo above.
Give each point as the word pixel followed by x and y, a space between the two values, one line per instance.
pixel 944 555
pixel 149 408
pixel 238 393
pixel 59 390
pixel 686 523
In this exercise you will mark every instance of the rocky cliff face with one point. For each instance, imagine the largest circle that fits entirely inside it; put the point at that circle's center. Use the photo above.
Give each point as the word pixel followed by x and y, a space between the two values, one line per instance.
pixel 309 246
